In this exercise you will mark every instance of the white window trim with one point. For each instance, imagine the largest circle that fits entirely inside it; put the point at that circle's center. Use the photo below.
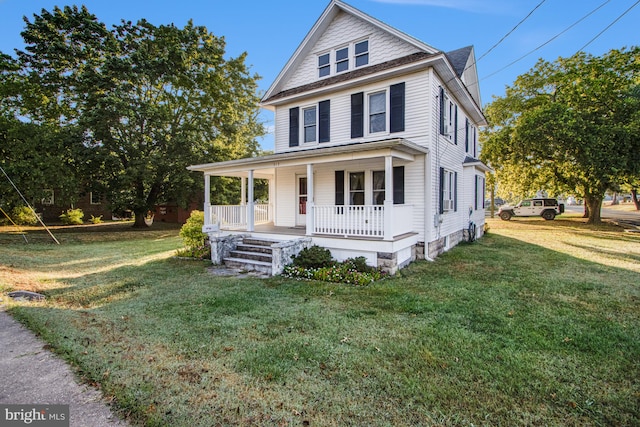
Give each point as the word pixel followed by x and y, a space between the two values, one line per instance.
pixel 93 202
pixel 48 200
pixel 347 184
pixel 387 106
pixel 368 52
pixel 351 58
pixel 448 191
pixel 303 127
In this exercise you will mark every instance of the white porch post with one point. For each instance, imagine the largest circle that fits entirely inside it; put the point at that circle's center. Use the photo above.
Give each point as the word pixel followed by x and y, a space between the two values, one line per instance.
pixel 243 191
pixel 250 212
pixel 309 214
pixel 207 199
pixel 388 198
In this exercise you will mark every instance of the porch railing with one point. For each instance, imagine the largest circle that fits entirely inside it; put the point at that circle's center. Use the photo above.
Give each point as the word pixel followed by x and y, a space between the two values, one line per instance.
pixel 366 221
pixel 235 216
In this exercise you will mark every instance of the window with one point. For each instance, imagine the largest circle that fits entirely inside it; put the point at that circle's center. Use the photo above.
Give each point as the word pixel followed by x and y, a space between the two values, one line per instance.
pixel 315 124
pixel 362 53
pixel 451 116
pixel 378 187
pixel 480 190
pixel 398 186
pixel 47 198
pixel 310 119
pixel 96 197
pixel 342 59
pixel 444 113
pixel 324 67
pixel 378 112
pixel 448 190
pixel 356 188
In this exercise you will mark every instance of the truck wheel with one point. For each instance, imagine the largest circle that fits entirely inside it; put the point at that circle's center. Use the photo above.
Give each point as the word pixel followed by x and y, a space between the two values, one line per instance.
pixel 506 215
pixel 548 215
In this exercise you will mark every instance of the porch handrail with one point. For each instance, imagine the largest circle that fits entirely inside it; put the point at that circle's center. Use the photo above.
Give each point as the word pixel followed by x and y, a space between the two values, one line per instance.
pixel 235 216
pixel 362 220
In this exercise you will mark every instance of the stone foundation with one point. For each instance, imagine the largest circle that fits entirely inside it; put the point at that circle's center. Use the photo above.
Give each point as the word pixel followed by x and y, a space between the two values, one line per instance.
pixel 282 253
pixel 222 245
pixel 441 245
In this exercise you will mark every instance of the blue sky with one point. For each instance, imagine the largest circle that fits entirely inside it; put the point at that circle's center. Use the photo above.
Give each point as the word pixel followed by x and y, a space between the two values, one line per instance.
pixel 270 31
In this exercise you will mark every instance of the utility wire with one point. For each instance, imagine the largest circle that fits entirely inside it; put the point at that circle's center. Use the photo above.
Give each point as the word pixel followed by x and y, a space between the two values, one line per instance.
pixel 509 33
pixel 548 41
pixel 610 25
pixel 27 203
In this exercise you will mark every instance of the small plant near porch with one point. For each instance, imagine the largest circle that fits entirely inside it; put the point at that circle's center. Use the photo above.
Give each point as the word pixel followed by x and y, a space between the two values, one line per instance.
pixel 195 241
pixel 316 263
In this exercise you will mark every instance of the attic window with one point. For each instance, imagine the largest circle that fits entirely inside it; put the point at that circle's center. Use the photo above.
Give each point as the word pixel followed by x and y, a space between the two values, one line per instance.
pixel 324 67
pixel 362 53
pixel 342 59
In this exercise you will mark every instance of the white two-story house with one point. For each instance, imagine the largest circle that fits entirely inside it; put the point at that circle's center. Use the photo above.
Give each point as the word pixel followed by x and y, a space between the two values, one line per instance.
pixel 376 150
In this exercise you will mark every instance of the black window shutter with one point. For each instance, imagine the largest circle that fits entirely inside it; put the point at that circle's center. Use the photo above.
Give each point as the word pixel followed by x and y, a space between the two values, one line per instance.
pixel 466 135
pixel 441 191
pixel 442 107
pixel 398 185
pixel 323 116
pixel 357 115
pixel 339 188
pixel 294 126
pixel 455 126
pixel 455 191
pixel 397 108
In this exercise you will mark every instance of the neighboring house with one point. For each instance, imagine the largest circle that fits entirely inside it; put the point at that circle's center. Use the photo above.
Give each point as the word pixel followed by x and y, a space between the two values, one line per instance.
pixel 376 150
pixel 92 204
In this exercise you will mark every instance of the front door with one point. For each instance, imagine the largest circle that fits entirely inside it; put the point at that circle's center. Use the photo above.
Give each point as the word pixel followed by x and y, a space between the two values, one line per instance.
pixel 301 200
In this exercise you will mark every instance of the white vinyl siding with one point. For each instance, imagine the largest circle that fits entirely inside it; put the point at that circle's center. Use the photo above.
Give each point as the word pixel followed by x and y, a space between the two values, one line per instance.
pixel 346 28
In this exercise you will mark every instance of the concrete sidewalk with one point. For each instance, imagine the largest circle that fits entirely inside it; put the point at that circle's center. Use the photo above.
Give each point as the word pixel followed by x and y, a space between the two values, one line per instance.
pixel 30 374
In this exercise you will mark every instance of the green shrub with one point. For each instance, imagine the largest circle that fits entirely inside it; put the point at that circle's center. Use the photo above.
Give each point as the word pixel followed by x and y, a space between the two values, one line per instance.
pixel 191 231
pixel 22 215
pixel 72 217
pixel 95 219
pixel 313 257
pixel 359 264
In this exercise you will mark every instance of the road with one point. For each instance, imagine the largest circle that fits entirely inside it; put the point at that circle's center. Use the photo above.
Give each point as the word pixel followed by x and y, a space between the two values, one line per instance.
pixel 626 217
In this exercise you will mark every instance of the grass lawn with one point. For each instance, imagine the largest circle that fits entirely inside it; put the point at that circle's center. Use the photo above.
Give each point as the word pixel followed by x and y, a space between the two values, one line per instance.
pixel 538 323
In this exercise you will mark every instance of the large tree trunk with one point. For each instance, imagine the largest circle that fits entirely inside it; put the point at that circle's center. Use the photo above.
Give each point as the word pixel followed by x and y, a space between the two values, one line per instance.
pixel 140 222
pixel 615 201
pixel 595 206
pixel 634 196
pixel 586 208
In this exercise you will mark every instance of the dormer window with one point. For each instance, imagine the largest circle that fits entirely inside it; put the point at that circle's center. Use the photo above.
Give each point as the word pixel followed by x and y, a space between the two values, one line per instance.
pixel 342 59
pixel 324 67
pixel 362 53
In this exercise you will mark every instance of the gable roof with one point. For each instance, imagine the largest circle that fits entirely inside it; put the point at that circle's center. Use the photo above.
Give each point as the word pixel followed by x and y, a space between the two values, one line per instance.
pixel 457 68
pixel 332 10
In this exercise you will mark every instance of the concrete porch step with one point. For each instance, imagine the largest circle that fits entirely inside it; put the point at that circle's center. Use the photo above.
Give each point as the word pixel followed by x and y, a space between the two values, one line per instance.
pixel 251 255
pixel 254 241
pixel 254 248
pixel 248 265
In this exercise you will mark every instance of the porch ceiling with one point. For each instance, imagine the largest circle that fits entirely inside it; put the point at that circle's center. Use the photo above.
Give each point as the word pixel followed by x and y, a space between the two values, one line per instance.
pixel 265 166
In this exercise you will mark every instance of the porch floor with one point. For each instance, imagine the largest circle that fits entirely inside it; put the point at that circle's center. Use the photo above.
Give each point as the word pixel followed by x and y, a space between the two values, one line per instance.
pixel 301 232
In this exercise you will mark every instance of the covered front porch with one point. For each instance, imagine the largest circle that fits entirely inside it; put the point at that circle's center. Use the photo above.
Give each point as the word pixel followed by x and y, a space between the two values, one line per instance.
pixel 360 181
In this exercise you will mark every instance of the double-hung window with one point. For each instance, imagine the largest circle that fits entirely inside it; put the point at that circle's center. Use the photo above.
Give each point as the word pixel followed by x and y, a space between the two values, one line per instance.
pixel 356 188
pixel 378 112
pixel 361 50
pixel 448 190
pixel 310 124
pixel 342 59
pixel 378 187
pixel 324 65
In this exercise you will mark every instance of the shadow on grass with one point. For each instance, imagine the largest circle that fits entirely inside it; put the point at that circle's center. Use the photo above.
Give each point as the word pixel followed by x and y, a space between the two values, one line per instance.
pixel 499 332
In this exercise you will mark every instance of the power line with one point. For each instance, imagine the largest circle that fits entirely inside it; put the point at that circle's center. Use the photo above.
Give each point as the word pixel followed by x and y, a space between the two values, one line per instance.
pixel 548 41
pixel 610 25
pixel 509 33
